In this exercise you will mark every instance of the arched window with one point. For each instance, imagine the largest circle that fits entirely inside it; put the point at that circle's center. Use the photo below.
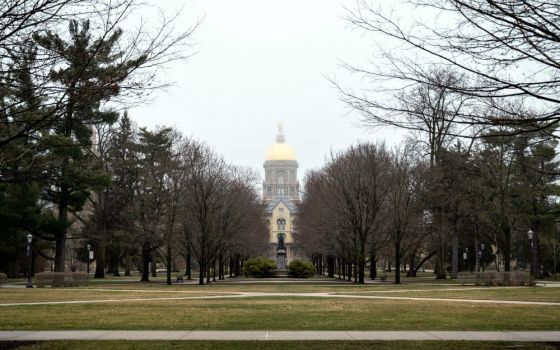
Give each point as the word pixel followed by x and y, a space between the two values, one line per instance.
pixel 281 224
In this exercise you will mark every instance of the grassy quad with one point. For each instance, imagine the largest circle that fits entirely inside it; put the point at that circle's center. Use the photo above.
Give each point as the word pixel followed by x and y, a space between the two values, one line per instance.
pixel 279 312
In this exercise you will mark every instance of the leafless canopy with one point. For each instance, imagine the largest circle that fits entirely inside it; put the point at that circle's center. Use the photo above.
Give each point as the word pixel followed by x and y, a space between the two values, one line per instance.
pixel 504 54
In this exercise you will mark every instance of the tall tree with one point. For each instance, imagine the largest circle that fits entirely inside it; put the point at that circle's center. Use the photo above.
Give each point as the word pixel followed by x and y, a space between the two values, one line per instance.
pixel 404 205
pixel 70 141
pixel 155 160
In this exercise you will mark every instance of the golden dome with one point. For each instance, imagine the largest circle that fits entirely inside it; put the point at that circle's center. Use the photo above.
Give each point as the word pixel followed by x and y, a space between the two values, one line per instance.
pixel 280 150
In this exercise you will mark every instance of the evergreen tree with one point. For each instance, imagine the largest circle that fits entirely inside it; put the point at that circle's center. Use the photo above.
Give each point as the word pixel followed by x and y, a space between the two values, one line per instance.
pixel 86 72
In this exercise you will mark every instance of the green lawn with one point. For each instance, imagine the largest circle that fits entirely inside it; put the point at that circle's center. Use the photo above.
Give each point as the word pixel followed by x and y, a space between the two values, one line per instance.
pixel 279 312
pixel 488 293
pixel 298 313
pixel 295 345
pixel 67 294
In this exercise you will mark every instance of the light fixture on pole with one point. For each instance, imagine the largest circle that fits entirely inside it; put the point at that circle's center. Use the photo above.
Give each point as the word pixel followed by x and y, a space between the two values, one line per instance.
pixel 88 257
pixel 482 255
pixel 530 236
pixel 29 261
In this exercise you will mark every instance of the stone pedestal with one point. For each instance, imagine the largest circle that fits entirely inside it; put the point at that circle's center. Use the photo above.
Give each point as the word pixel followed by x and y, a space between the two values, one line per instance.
pixel 281 259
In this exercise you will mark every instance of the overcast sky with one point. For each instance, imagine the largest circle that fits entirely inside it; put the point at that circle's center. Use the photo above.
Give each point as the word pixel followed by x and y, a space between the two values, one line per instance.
pixel 260 63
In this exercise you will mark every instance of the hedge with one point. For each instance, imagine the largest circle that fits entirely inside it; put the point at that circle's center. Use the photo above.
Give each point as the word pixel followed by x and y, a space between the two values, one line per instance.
pixel 259 268
pixel 301 269
pixel 494 278
pixel 61 279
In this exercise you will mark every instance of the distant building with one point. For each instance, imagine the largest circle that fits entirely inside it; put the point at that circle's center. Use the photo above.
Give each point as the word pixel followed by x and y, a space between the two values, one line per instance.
pixel 280 194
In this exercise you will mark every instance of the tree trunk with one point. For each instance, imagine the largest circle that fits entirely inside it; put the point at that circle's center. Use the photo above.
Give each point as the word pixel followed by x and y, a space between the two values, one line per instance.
pixel 168 263
pixel 154 267
pixel 60 250
pixel 397 262
pixel 145 263
pixel 127 266
pixel 201 271
pixel 411 264
pixel 330 266
pixel 236 264
pixel 440 261
pixel 507 249
pixel 372 266
pixel 188 264
pixel 99 260
pixel 422 262
pixel 454 253
pixel 214 272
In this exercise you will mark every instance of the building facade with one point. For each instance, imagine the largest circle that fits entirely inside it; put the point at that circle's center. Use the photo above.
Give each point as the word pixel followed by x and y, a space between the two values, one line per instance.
pixel 280 194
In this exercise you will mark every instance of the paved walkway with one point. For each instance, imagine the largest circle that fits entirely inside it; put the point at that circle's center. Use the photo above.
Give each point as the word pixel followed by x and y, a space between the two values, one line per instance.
pixel 282 335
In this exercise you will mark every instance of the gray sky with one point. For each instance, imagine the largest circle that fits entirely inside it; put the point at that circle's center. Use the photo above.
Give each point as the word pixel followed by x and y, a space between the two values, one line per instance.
pixel 260 63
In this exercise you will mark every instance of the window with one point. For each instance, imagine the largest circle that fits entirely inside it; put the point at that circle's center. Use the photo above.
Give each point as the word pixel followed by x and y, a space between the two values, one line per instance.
pixel 281 177
pixel 281 224
pixel 281 191
pixel 281 210
pixel 269 191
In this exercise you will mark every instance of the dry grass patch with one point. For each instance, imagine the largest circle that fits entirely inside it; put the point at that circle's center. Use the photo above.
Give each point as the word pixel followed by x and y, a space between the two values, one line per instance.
pixel 481 293
pixel 297 313
pixel 8 296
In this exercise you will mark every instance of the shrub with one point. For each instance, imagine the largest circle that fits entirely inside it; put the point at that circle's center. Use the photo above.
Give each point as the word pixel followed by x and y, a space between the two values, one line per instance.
pixel 61 279
pixel 301 269
pixel 494 278
pixel 3 278
pixel 259 268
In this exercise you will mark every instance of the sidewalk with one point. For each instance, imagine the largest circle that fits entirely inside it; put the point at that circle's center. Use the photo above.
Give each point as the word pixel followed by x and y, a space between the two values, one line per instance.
pixel 537 336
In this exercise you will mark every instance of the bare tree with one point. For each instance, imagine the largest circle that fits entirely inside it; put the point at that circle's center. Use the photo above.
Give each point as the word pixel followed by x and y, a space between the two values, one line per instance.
pixel 350 193
pixel 205 184
pixel 404 204
pixel 503 50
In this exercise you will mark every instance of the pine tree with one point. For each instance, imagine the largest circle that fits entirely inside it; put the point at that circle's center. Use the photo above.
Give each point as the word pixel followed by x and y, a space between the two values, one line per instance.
pixel 87 72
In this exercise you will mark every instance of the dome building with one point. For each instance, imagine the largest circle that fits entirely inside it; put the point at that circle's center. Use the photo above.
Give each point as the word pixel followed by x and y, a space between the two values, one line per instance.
pixel 280 194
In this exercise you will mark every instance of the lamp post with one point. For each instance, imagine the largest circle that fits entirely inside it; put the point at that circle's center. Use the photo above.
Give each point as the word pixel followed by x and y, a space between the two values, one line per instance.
pixel 530 236
pixel 465 257
pixel 29 261
pixel 482 255
pixel 88 257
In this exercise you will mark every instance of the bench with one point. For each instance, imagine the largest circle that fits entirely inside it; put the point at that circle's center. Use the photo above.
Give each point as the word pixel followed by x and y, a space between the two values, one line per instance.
pixel 179 279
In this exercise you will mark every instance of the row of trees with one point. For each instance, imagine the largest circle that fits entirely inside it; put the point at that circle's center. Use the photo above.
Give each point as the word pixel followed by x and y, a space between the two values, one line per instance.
pixel 370 203
pixel 172 196
pixel 72 173
pixel 159 196
pixel 477 93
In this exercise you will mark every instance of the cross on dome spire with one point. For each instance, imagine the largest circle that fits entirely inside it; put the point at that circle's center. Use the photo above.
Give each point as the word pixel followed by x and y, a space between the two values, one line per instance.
pixel 280 137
